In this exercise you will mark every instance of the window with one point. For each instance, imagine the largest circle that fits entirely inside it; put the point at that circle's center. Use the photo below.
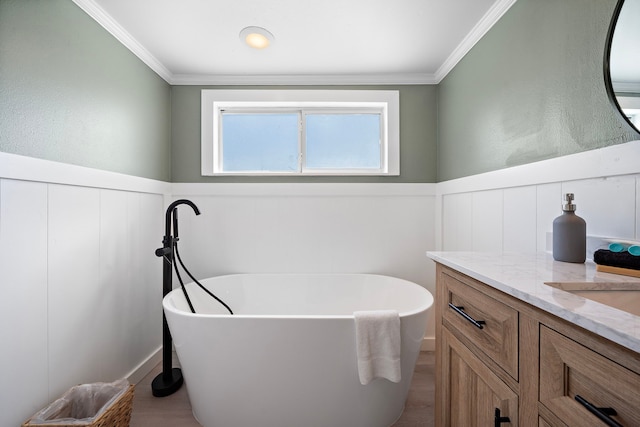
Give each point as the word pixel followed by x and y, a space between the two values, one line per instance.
pixel 290 132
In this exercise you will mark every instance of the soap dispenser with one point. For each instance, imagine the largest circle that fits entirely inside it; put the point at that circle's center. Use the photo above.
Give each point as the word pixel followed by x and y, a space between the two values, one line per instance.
pixel 569 234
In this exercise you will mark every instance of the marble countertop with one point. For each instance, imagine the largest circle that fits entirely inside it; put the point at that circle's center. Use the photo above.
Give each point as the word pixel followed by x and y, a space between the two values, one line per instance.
pixel 527 277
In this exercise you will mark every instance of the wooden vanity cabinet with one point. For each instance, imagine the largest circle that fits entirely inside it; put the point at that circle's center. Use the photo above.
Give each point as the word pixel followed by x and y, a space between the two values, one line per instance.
pixel 569 369
pixel 476 393
pixel 502 362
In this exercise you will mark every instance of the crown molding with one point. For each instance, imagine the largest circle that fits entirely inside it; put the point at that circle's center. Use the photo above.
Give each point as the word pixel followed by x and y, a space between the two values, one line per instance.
pixel 477 32
pixel 108 23
pixel 306 79
pixel 112 26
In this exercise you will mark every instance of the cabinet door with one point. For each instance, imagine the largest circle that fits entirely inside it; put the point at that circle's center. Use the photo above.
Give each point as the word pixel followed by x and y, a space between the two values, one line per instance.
pixel 472 393
pixel 543 423
pixel 569 369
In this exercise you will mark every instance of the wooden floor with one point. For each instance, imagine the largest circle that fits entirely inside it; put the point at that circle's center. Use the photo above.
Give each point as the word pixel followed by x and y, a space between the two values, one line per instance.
pixel 175 410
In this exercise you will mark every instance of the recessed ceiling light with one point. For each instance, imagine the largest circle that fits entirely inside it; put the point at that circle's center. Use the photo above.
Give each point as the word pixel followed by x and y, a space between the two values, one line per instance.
pixel 256 37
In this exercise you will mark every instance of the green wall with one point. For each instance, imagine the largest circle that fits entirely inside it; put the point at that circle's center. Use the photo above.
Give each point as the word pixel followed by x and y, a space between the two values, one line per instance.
pixel 70 92
pixel 417 135
pixel 531 89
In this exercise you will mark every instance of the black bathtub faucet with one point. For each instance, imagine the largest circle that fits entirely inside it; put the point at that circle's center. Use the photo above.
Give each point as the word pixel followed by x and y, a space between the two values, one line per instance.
pixel 170 380
pixel 171 218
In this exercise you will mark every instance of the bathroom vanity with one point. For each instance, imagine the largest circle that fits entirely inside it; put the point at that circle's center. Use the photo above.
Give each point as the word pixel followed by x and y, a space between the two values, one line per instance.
pixel 521 340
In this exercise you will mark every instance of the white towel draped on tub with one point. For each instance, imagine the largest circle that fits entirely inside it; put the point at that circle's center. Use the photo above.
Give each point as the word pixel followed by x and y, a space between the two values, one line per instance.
pixel 378 345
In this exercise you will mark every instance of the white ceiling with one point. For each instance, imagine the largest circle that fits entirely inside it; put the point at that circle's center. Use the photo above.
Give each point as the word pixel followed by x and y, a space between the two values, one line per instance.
pixel 316 42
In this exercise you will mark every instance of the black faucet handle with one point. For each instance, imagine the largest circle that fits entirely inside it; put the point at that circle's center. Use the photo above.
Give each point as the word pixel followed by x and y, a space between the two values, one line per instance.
pixel 160 252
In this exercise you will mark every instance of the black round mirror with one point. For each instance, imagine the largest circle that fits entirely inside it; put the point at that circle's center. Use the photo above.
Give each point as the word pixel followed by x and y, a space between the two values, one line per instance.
pixel 622 61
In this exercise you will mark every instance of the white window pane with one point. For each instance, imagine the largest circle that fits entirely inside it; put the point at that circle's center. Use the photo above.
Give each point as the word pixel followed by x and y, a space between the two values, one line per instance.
pixel 343 141
pixel 252 147
pixel 260 142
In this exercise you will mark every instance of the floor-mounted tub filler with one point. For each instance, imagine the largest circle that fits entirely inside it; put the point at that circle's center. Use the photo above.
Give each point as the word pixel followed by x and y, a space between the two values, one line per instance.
pixel 287 357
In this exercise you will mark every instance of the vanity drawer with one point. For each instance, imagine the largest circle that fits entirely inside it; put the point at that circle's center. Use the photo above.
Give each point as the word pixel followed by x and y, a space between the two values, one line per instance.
pixel 486 322
pixel 567 369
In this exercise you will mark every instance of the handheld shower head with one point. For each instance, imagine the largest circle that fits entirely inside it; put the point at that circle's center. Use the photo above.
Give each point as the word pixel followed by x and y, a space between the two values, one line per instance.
pixel 172 211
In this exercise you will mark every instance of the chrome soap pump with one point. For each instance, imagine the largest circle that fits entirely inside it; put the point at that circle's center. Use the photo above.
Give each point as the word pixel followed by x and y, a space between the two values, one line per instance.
pixel 569 234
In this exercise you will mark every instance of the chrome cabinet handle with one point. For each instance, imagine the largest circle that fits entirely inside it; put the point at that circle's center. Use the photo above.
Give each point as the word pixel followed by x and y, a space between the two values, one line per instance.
pixel 460 310
pixel 603 414
pixel 499 420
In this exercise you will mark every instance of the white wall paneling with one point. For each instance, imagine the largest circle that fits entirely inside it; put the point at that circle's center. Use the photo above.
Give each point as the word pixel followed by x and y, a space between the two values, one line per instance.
pixel 146 275
pixel 81 251
pixel 607 205
pixel 130 279
pixel 516 206
pixel 75 329
pixel 487 222
pixel 457 220
pixel 299 231
pixel 615 160
pixel 548 197
pixel 82 285
pixel 315 228
pixel 104 310
pixel 519 217
pixel 23 306
pixel 24 168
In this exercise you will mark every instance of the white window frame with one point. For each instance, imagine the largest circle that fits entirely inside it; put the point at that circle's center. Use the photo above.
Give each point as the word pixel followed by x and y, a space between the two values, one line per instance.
pixel 387 102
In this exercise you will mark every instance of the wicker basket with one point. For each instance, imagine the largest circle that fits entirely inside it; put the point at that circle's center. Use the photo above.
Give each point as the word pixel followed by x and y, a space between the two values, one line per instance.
pixel 118 414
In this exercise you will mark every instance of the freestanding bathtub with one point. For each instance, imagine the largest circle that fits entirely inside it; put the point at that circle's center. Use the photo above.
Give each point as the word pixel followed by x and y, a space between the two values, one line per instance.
pixel 287 358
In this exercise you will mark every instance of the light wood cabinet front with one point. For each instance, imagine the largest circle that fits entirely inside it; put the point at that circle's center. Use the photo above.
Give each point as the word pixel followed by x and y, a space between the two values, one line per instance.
pixel 568 369
pixel 525 362
pixel 498 335
pixel 474 391
pixel 543 423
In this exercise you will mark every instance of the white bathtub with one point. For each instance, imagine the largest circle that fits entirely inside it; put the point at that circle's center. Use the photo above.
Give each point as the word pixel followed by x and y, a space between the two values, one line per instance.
pixel 287 358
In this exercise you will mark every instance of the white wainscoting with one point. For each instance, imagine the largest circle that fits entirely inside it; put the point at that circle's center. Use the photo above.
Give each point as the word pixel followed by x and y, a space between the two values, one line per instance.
pixel 82 287
pixel 81 284
pixel 310 228
pixel 357 228
pixel 513 209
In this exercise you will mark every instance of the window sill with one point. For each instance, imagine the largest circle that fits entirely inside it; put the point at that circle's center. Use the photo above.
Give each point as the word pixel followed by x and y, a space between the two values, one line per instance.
pixel 298 174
